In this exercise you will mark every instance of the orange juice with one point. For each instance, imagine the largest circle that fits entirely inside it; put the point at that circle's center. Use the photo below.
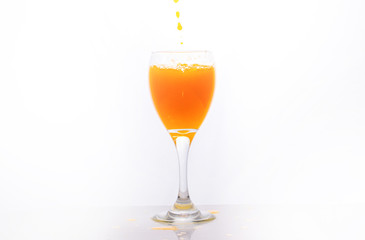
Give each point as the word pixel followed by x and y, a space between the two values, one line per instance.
pixel 182 94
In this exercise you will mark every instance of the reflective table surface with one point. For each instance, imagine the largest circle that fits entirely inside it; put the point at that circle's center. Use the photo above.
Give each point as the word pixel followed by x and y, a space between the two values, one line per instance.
pixel 232 222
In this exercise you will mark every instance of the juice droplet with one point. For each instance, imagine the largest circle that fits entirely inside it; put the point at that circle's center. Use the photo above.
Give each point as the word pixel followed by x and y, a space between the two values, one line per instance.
pixel 181 43
pixel 176 1
pixel 177 14
pixel 179 27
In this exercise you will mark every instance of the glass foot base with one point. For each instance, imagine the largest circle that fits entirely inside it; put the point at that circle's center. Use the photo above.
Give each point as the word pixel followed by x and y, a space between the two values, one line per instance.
pixel 187 217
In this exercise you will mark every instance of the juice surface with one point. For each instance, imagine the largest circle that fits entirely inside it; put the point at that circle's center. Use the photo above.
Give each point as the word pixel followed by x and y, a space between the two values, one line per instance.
pixel 182 94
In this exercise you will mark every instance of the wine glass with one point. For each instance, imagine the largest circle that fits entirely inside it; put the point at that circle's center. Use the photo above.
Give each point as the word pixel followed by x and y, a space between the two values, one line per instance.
pixel 182 85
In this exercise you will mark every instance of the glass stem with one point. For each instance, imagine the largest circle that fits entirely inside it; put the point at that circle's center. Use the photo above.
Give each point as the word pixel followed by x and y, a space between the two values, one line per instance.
pixel 183 201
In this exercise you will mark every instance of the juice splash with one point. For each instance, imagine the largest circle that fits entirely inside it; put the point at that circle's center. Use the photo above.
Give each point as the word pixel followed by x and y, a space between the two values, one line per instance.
pixel 182 94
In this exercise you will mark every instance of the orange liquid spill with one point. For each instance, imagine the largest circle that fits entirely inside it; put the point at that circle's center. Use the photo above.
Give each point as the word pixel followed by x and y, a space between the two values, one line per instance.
pixel 182 95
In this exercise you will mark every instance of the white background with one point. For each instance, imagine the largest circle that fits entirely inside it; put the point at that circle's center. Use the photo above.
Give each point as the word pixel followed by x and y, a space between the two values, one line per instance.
pixel 78 127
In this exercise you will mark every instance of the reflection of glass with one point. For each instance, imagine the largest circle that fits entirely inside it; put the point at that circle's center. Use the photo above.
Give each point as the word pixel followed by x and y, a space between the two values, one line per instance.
pixel 184 232
pixel 182 85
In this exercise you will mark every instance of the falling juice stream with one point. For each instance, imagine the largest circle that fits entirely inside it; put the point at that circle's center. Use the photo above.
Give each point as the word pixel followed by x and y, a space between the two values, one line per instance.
pixel 179 26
